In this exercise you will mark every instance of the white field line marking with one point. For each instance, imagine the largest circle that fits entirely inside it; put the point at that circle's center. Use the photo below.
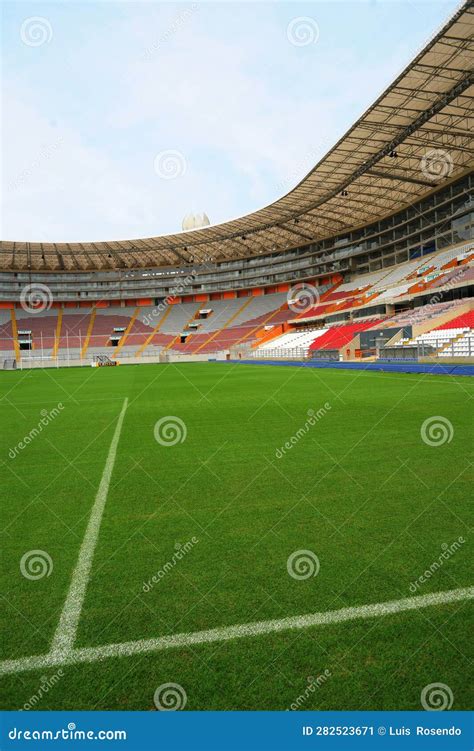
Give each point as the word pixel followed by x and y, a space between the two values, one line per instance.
pixel 126 649
pixel 63 639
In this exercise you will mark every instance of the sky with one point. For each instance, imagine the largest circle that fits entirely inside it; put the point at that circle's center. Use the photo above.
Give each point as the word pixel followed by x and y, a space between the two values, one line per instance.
pixel 119 118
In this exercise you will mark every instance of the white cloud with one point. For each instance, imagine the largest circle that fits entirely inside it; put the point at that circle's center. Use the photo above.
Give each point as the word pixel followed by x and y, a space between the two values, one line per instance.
pixel 250 112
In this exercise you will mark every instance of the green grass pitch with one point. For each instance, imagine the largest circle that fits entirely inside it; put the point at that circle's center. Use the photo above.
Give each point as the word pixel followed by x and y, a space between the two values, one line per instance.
pixel 359 489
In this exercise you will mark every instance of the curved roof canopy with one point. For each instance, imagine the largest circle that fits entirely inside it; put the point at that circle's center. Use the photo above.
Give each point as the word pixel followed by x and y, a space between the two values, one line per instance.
pixel 415 137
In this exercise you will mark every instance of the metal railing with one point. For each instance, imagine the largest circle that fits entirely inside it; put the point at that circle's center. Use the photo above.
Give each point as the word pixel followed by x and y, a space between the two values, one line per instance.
pixel 277 353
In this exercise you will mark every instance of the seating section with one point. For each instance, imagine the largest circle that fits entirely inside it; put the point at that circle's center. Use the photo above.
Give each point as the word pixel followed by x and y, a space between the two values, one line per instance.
pixel 464 321
pixel 451 339
pixel 338 336
pixel 259 311
pixel 146 330
pixel 421 314
pixel 452 266
pixel 297 339
pixel 90 331
pixel 461 346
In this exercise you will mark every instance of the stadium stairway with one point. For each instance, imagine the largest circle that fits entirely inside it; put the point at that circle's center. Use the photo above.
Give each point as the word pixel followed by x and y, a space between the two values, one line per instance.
pixel 228 323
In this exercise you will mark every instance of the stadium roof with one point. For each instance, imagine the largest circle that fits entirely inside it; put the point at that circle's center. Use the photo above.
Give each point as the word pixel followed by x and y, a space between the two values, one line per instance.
pixel 415 137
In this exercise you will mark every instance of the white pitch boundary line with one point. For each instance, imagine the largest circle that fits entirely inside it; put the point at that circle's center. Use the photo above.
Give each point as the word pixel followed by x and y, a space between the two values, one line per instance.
pixel 227 633
pixel 65 635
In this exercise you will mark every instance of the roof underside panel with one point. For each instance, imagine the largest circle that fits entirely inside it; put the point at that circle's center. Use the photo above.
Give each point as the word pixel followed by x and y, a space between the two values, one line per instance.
pixel 415 137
